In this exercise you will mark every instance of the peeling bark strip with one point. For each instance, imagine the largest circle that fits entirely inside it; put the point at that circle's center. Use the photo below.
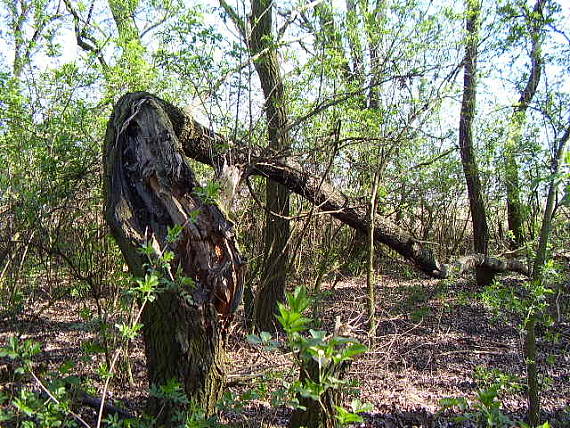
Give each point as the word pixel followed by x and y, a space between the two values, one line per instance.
pixel 150 187
pixel 205 146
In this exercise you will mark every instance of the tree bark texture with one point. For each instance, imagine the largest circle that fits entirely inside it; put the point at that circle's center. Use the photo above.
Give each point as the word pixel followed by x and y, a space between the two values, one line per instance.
pixel 530 346
pixel 203 145
pixel 277 231
pixel 468 159
pixel 149 187
pixel 515 214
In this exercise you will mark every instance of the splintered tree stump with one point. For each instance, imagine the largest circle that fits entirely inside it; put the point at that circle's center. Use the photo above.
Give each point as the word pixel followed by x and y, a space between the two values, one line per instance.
pixel 150 187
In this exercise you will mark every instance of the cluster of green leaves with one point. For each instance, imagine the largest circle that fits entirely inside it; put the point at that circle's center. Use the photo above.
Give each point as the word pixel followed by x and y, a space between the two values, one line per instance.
pixel 486 408
pixel 34 410
pixel 20 351
pixel 310 346
pixel 484 411
pixel 27 407
pixel 504 383
pixel 531 299
pixel 209 193
pixel 158 277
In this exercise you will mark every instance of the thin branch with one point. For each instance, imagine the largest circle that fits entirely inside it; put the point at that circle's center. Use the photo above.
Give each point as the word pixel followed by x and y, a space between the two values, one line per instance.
pixel 324 105
pixel 54 399
pixel 434 159
pixel 156 24
pixel 237 20
pixel 84 40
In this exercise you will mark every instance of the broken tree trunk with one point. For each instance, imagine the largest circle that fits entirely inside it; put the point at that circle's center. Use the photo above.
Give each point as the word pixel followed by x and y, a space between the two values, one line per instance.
pixel 149 188
pixel 205 146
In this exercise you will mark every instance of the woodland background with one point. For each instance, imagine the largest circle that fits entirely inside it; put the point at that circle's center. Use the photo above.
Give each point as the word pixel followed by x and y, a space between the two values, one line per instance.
pixel 447 120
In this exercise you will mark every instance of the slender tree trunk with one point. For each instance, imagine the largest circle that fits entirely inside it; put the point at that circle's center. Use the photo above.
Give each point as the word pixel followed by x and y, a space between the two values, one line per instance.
pixel 124 16
pixel 530 347
pixel 276 236
pixel 531 354
pixel 468 159
pixel 17 23
pixel 149 188
pixel 515 214
pixel 370 280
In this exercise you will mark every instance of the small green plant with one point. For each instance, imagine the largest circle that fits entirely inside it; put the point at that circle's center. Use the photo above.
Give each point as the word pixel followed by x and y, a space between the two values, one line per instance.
pixel 209 193
pixel 320 358
pixel 346 417
pixel 505 383
pixel 27 408
pixel 484 410
pixel 21 352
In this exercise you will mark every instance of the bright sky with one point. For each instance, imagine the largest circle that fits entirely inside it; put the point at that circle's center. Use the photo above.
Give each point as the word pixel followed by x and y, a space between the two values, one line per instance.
pixel 495 87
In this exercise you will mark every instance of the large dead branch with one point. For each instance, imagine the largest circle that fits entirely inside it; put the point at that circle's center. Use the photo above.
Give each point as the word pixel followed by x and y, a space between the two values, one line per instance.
pixel 204 145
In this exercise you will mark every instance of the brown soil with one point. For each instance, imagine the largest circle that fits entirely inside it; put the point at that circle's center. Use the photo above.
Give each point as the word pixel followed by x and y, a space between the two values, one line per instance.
pixel 431 338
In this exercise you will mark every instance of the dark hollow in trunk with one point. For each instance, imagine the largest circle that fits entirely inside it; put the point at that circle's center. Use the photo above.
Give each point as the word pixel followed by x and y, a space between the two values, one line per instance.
pixel 150 187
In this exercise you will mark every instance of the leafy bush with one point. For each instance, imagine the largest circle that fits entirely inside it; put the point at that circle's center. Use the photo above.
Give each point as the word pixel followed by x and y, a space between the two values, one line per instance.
pixel 320 357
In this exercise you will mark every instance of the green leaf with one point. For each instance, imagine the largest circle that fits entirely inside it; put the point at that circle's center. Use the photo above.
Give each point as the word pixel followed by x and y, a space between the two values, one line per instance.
pixel 352 350
pixel 167 257
pixel 358 406
pixel 147 250
pixel 450 402
pixel 173 233
pixel 254 339
pixel 345 417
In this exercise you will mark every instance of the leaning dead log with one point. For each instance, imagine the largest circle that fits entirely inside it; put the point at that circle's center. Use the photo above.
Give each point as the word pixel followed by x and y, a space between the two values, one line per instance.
pixel 493 264
pixel 150 187
pixel 205 146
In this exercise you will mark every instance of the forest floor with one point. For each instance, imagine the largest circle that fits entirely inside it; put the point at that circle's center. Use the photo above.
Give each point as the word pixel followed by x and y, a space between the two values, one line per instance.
pixel 435 339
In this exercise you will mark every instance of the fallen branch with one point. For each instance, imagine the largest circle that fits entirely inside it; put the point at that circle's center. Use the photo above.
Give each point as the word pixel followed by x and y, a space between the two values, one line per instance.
pixel 108 409
pixel 206 146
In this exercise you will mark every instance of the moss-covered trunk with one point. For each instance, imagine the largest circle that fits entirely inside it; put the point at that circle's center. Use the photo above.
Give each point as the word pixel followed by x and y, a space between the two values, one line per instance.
pixel 277 230
pixel 149 188
pixel 182 343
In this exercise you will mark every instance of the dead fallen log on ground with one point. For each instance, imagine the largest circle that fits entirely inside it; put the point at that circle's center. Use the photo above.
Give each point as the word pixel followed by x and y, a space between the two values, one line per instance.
pixel 203 145
pixel 469 263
